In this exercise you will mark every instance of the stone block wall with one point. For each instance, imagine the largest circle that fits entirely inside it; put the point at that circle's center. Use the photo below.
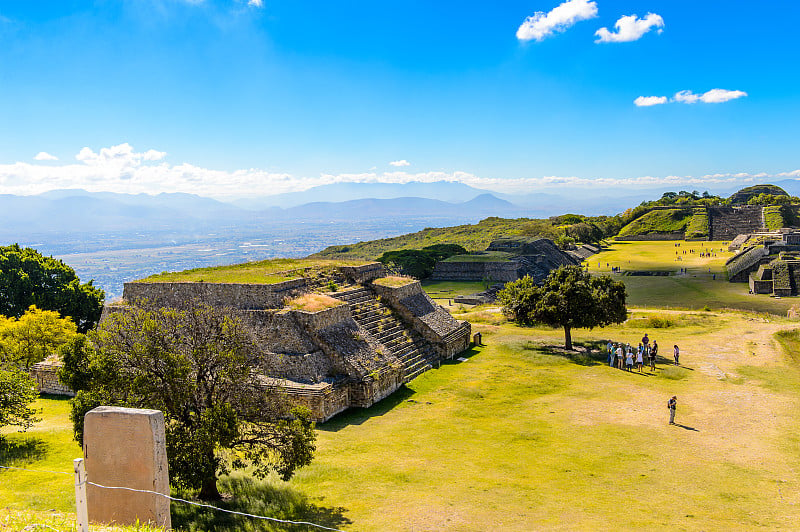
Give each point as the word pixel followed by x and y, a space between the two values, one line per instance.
pixel 653 236
pixel 47 381
pixel 238 296
pixel 505 271
pixel 364 274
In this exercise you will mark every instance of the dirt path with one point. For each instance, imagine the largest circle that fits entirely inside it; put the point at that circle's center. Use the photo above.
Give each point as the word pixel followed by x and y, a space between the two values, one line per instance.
pixel 723 415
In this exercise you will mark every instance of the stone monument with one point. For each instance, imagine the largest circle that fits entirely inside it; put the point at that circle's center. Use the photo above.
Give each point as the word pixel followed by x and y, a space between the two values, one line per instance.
pixel 126 447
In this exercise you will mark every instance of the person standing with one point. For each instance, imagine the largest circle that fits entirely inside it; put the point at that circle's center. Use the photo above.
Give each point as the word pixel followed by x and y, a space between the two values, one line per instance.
pixel 675 354
pixel 640 358
pixel 672 404
pixel 629 360
pixel 619 356
pixel 610 349
pixel 645 341
pixel 652 355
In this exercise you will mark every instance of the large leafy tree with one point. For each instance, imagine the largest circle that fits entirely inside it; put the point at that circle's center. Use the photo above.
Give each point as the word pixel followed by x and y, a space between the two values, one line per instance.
pixel 33 337
pixel 29 278
pixel 570 298
pixel 198 367
pixel 17 393
pixel 420 263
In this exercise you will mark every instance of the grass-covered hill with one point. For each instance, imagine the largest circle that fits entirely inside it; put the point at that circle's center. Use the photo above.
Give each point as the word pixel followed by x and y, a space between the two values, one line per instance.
pixel 477 237
pixel 658 221
pixel 744 195
pixel 473 237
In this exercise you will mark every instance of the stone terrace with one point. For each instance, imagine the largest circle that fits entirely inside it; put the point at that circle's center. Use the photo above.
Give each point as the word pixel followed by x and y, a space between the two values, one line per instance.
pixel 726 223
pixel 339 357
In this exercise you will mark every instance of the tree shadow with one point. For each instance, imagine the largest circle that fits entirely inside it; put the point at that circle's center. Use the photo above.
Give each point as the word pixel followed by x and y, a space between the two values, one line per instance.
pixel 357 416
pixel 54 397
pixel 22 450
pixel 585 353
pixel 251 496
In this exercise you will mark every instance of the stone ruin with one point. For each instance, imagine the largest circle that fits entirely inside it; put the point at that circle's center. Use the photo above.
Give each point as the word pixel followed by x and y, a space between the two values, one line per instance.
pixel 380 332
pixel 45 374
pixel 760 256
pixel 508 259
pixel 524 256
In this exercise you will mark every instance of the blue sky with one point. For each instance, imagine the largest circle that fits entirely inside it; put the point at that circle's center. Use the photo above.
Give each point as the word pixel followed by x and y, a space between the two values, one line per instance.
pixel 230 97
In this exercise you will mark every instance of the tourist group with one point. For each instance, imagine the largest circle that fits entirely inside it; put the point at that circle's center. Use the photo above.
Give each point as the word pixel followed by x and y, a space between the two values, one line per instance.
pixel 626 357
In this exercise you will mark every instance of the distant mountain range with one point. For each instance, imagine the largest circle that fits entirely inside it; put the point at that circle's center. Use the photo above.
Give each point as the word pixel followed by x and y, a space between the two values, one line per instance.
pixel 81 211
pixel 61 211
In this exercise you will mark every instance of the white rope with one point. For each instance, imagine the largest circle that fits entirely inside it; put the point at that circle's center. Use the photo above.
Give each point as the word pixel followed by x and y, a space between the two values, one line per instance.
pixel 36 470
pixel 274 519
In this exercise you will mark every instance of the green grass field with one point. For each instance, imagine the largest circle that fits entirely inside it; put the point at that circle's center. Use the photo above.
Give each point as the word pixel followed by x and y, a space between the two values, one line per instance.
pixel 703 285
pixel 266 271
pixel 450 289
pixel 523 436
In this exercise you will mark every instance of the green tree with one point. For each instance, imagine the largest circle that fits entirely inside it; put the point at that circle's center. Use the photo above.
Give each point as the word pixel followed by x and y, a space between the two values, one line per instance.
pixel 33 337
pixel 198 366
pixel 17 393
pixel 569 298
pixel 420 263
pixel 29 278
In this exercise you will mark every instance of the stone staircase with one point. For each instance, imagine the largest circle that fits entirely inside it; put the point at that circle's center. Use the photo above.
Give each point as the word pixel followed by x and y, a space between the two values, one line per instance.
pixel 416 354
pixel 321 282
pixel 726 223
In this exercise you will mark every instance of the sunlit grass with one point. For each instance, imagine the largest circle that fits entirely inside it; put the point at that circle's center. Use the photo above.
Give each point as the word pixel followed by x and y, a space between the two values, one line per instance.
pixel 266 271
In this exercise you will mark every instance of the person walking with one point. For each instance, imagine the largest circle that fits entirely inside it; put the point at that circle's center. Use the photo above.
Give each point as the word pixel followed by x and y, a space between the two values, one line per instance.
pixel 676 354
pixel 672 404
pixel 652 355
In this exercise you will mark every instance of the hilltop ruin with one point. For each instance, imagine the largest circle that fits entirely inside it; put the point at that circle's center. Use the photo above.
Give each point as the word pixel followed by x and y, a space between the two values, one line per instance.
pixel 346 337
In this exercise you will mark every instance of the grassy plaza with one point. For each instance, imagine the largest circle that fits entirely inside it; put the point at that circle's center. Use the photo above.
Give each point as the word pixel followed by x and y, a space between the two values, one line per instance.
pixel 523 436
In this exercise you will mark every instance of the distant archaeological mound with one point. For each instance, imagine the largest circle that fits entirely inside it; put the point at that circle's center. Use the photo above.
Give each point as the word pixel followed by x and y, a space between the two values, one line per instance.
pixel 508 259
pixel 343 337
pixel 715 222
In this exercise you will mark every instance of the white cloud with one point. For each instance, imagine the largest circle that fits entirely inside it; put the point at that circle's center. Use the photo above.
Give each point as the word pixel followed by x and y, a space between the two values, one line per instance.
pixel 542 25
pixel 647 101
pixel 121 155
pixel 401 162
pixel 712 96
pixel 44 156
pixel 255 3
pixel 630 28
pixel 122 169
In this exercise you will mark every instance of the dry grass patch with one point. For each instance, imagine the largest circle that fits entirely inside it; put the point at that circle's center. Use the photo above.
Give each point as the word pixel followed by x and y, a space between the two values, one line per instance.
pixel 394 281
pixel 313 302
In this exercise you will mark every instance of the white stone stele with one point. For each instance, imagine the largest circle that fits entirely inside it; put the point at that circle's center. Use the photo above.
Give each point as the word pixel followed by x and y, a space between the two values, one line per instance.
pixel 126 447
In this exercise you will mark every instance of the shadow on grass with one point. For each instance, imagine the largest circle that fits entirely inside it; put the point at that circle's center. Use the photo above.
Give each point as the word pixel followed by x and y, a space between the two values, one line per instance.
pixel 686 427
pixel 255 497
pixel 357 416
pixel 53 397
pixel 587 353
pixel 469 353
pixel 21 450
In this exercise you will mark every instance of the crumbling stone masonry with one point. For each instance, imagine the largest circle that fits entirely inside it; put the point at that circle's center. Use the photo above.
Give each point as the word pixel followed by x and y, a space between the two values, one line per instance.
pixel 46 375
pixel 348 355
